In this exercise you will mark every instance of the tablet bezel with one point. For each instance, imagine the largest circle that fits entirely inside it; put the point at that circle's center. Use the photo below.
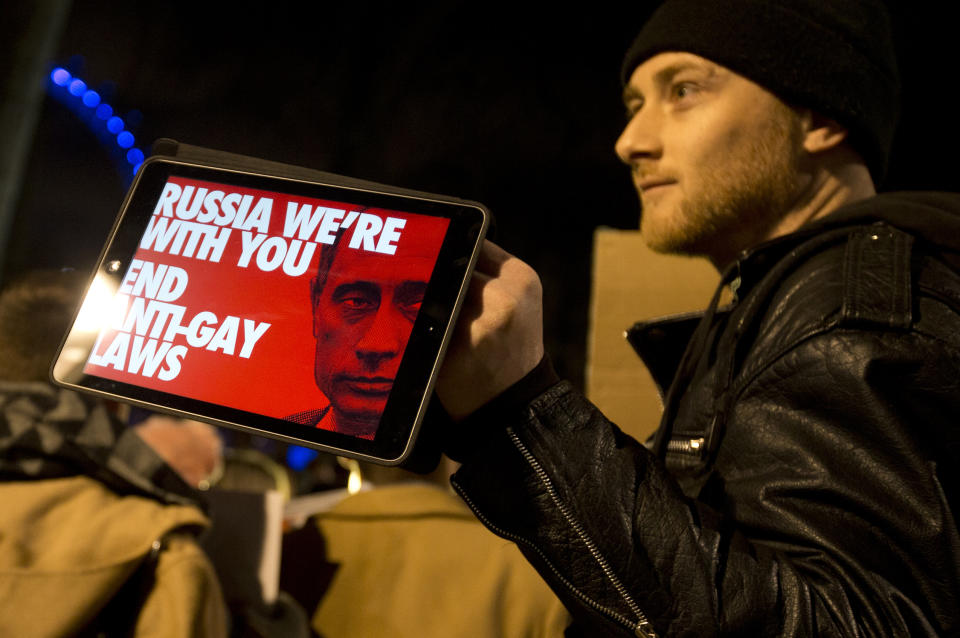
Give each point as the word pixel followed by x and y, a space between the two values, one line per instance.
pixel 431 332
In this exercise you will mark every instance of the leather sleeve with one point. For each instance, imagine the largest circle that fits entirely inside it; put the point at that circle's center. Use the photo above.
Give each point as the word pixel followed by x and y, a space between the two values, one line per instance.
pixel 826 513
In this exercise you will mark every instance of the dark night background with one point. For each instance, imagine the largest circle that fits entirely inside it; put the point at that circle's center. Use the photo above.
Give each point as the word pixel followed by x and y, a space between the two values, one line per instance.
pixel 509 105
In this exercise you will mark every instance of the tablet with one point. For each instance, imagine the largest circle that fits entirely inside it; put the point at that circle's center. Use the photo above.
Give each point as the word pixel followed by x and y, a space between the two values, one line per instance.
pixel 314 312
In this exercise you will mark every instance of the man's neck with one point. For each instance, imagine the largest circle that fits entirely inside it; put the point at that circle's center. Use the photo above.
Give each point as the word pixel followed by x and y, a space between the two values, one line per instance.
pixel 831 185
pixel 829 189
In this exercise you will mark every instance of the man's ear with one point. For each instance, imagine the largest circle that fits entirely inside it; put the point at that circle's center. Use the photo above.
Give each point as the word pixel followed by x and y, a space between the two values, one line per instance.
pixel 821 133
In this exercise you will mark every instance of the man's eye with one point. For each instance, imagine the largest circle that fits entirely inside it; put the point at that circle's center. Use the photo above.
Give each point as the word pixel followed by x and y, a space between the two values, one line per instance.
pixel 410 310
pixel 408 297
pixel 356 303
pixel 684 91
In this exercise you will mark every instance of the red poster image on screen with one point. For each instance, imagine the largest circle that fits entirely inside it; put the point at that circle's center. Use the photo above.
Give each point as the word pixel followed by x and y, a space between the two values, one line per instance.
pixel 275 304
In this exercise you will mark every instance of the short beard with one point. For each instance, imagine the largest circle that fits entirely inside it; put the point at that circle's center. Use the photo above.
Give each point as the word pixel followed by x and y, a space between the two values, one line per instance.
pixel 741 199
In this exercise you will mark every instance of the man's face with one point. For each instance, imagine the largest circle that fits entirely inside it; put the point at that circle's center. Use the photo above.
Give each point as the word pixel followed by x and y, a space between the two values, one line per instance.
pixel 362 321
pixel 715 157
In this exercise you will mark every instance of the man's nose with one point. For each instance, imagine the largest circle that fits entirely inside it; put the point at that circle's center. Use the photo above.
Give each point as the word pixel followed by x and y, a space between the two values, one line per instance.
pixel 384 337
pixel 640 138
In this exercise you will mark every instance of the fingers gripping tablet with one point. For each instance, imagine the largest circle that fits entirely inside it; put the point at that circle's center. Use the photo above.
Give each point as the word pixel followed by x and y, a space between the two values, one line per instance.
pixel 298 305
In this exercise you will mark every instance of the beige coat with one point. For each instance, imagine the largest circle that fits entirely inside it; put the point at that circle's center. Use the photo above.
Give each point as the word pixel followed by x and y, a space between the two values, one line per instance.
pixel 412 561
pixel 67 545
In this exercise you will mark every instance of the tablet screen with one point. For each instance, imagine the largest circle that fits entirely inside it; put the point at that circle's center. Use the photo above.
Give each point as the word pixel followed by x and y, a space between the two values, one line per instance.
pixel 294 304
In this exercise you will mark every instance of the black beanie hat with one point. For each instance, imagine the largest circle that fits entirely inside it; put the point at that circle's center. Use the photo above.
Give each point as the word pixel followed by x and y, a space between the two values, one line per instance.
pixel 835 57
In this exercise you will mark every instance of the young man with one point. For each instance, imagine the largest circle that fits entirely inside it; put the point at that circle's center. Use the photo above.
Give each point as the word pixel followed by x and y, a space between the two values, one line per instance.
pixel 803 480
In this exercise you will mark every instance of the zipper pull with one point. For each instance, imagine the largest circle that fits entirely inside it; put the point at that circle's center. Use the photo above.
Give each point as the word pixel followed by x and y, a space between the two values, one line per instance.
pixel 645 630
pixel 692 446
pixel 735 288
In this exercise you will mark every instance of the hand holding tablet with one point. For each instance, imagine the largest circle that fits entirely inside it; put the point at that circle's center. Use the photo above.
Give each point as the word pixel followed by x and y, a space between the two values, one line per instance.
pixel 306 307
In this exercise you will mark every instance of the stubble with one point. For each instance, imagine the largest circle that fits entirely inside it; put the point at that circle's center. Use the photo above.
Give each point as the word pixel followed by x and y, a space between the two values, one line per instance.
pixel 739 197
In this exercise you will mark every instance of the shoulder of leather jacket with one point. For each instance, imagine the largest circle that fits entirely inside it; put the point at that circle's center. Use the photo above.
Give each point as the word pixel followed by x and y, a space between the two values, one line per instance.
pixel 876 278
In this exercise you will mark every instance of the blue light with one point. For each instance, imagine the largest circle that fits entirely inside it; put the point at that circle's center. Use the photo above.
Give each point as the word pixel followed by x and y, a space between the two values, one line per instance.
pixel 125 139
pixel 298 458
pixel 60 76
pixel 106 120
pixel 78 87
pixel 91 98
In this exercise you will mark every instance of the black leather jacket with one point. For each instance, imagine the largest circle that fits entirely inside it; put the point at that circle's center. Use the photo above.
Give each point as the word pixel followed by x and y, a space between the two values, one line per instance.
pixel 805 476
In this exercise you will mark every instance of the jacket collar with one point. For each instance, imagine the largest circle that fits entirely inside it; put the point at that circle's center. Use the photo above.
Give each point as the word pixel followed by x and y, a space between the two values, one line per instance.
pixel 48 432
pixel 934 217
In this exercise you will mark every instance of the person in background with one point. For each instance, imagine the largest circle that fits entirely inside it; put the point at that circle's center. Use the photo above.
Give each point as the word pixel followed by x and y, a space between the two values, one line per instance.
pixel 99 521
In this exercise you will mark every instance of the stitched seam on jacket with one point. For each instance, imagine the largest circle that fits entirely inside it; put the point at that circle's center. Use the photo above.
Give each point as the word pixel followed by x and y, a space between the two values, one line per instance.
pixel 742 381
pixel 577 528
pixel 522 540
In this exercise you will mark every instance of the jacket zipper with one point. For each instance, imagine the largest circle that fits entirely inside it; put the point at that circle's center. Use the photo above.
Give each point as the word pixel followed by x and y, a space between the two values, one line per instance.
pixel 641 630
pixel 642 627
pixel 692 446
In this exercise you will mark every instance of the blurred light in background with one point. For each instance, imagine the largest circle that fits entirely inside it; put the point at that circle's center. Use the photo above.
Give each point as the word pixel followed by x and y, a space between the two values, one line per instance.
pixel 298 458
pixel 99 117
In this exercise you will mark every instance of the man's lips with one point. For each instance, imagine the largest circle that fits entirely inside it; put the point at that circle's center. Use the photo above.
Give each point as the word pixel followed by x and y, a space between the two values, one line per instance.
pixel 649 183
pixel 372 386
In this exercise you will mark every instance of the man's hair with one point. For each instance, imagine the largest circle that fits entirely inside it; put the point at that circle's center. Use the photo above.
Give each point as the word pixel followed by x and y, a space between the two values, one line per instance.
pixel 835 57
pixel 327 255
pixel 35 313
